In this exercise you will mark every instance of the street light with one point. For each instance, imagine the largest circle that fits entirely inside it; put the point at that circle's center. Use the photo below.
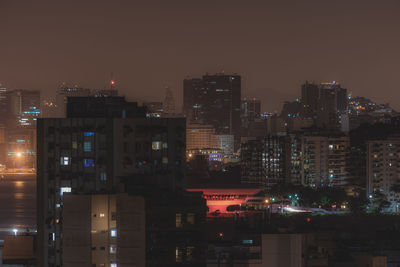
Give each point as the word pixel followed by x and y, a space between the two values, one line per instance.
pixel 19 154
pixel 15 230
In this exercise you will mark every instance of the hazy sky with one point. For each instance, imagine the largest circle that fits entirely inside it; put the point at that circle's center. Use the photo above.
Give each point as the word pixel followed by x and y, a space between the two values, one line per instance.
pixel 274 45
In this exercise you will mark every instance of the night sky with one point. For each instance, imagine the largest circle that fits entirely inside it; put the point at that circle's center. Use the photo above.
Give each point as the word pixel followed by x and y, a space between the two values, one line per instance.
pixel 274 45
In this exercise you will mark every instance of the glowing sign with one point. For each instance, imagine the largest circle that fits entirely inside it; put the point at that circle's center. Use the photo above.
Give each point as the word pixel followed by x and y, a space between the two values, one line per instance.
pixel 214 157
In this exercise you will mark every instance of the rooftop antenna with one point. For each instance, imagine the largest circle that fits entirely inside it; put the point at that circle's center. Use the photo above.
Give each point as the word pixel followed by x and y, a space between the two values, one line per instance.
pixel 112 81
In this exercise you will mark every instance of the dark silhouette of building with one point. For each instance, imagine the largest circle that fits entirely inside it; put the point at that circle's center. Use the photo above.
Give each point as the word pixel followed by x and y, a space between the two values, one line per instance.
pixel 3 104
pixel 102 140
pixel 64 92
pixel 333 102
pixel 310 95
pixel 215 100
pixel 23 108
pixel 103 107
pixel 251 109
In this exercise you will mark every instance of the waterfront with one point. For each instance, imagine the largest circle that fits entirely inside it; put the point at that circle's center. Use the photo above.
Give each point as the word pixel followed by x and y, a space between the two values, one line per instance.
pixel 17 203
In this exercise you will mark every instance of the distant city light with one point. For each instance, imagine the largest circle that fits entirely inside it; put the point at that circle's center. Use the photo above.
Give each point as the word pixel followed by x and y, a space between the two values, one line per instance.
pixel 15 230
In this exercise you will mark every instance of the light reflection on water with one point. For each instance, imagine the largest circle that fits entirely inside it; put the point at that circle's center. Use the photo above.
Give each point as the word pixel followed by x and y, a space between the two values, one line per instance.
pixel 17 202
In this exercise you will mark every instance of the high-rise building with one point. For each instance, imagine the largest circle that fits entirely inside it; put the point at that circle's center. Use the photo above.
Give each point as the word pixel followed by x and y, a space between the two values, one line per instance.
pixel 383 170
pixel 324 159
pixel 3 104
pixel 193 97
pixel 251 109
pixel 215 100
pixel 169 102
pixel 310 95
pixel 153 109
pixel 333 97
pixel 65 91
pixel 62 96
pixel 87 154
pixel 332 103
pixel 271 160
pixel 200 136
pixel 23 108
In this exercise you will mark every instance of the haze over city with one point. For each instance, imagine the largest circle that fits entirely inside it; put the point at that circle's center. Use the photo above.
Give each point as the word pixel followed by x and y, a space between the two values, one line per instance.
pixel 274 46
pixel 183 133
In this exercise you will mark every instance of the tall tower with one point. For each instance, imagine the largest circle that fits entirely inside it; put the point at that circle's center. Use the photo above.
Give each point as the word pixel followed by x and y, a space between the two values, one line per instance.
pixel 3 103
pixel 169 102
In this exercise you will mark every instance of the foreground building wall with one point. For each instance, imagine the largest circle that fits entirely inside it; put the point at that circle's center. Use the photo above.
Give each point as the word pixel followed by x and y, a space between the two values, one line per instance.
pixel 103 230
pixel 86 155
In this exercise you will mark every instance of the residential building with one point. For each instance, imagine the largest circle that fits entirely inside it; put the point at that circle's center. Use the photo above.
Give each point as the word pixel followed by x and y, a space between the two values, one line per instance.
pixel 103 230
pixel 271 160
pixel 101 140
pixel 324 157
pixel 383 170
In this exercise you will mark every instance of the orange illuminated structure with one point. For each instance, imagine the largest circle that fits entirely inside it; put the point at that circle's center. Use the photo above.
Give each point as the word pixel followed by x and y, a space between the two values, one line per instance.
pixel 219 199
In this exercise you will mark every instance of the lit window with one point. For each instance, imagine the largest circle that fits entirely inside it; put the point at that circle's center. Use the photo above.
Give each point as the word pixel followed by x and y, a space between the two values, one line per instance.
pixel 165 145
pixel 88 134
pixel 113 265
pixel 103 176
pixel 178 255
pixel 165 160
pixel 178 220
pixel 156 145
pixel 88 163
pixel 74 145
pixel 113 249
pixel 102 215
pixel 65 190
pixel 64 161
pixel 330 146
pixel 113 232
pixel 87 146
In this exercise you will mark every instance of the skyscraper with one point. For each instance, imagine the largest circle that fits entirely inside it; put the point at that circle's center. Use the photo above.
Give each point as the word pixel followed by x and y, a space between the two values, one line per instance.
pixel 332 102
pixel 310 95
pixel 251 109
pixel 193 89
pixel 169 102
pixel 23 107
pixel 215 100
pixel 3 104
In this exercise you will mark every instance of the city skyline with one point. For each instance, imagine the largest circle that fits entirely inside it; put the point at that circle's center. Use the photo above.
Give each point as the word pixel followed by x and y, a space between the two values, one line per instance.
pixel 275 47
